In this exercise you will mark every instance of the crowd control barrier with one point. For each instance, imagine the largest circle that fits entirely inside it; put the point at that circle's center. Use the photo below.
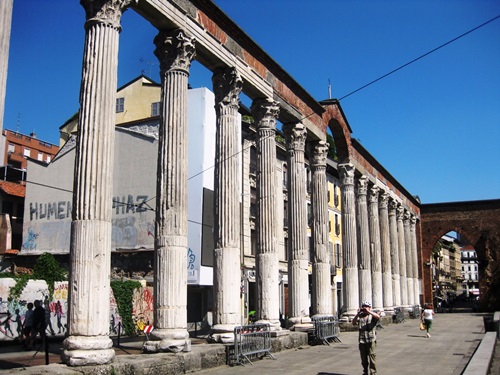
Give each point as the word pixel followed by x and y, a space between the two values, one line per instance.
pixel 326 328
pixel 399 315
pixel 252 340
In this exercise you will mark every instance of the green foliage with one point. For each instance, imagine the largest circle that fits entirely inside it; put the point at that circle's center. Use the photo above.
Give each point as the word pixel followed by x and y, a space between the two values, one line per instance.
pixel 280 139
pixel 332 149
pixel 124 293
pixel 47 268
pixel 248 119
pixel 21 282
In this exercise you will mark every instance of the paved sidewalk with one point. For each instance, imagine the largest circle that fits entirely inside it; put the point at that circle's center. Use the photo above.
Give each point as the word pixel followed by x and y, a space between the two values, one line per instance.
pixel 401 349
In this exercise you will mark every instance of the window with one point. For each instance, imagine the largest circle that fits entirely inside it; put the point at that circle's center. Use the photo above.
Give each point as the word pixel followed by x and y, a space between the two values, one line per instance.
pixel 338 255
pixel 120 105
pixel 155 109
pixel 48 159
pixel 27 152
pixel 12 147
pixel 40 156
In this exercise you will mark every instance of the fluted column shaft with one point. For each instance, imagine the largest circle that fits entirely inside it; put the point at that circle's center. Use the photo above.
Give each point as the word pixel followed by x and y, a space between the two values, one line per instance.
pixel 321 278
pixel 175 51
pixel 90 261
pixel 298 257
pixel 385 245
pixel 265 112
pixel 402 256
pixel 227 306
pixel 413 239
pixel 365 274
pixel 393 236
pixel 5 27
pixel 349 241
pixel 409 259
pixel 375 250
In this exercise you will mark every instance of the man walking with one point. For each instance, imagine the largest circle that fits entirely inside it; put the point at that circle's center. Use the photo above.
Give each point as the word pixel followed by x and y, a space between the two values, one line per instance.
pixel 366 321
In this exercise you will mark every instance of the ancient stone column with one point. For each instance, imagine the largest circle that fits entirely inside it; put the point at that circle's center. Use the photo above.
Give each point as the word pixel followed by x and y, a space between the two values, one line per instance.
pixel 5 26
pixel 90 248
pixel 174 50
pixel 413 239
pixel 402 255
pixel 409 259
pixel 227 280
pixel 375 250
pixel 298 249
pixel 321 277
pixel 350 275
pixel 393 236
pixel 385 245
pixel 365 273
pixel 265 112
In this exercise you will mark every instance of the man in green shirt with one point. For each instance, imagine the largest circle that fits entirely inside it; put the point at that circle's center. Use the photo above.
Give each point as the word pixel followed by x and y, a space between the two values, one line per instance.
pixel 366 320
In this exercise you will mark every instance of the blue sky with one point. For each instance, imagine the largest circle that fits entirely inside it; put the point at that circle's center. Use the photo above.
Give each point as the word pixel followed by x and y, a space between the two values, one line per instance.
pixel 434 125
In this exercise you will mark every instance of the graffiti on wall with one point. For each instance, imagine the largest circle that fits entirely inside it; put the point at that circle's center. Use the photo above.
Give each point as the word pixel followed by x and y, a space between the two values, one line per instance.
pixel 49 226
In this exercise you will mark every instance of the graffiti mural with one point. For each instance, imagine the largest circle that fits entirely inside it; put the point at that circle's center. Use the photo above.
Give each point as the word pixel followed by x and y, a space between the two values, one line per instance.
pixel 49 225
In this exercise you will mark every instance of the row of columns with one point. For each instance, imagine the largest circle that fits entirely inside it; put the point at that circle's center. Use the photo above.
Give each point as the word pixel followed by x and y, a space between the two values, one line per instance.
pixel 380 247
pixel 88 341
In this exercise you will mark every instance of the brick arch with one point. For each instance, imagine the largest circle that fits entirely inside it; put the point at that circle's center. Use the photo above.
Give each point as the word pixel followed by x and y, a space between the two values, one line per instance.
pixel 342 141
pixel 479 223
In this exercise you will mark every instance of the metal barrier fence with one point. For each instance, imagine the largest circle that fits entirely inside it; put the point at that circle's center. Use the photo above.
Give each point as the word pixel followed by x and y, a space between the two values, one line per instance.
pixel 399 315
pixel 415 312
pixel 252 340
pixel 326 328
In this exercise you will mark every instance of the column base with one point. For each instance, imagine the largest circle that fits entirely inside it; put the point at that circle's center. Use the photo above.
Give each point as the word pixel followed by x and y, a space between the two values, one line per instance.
pixel 299 323
pixel 222 333
pixel 168 340
pixel 87 350
pixel 275 325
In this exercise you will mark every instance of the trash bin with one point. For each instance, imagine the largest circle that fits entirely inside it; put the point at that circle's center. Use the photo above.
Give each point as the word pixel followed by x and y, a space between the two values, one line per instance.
pixel 489 324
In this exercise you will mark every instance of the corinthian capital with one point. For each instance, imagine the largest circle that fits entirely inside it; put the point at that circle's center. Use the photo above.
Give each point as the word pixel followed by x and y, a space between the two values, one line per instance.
pixel 174 50
pixel 108 12
pixel 265 111
pixel 318 153
pixel 384 200
pixel 400 212
pixel 296 135
pixel 393 206
pixel 413 220
pixel 227 87
pixel 363 185
pixel 374 194
pixel 346 173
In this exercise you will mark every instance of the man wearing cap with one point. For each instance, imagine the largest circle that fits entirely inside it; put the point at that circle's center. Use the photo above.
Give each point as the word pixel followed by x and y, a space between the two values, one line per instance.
pixel 366 321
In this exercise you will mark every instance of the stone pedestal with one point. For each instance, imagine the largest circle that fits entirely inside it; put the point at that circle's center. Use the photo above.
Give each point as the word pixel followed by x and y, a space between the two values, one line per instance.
pixel 175 51
pixel 88 342
pixel 265 112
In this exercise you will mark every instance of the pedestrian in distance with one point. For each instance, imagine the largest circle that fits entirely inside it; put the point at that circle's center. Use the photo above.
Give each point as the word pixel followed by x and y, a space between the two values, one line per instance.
pixel 38 323
pixel 28 325
pixel 367 321
pixel 427 317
